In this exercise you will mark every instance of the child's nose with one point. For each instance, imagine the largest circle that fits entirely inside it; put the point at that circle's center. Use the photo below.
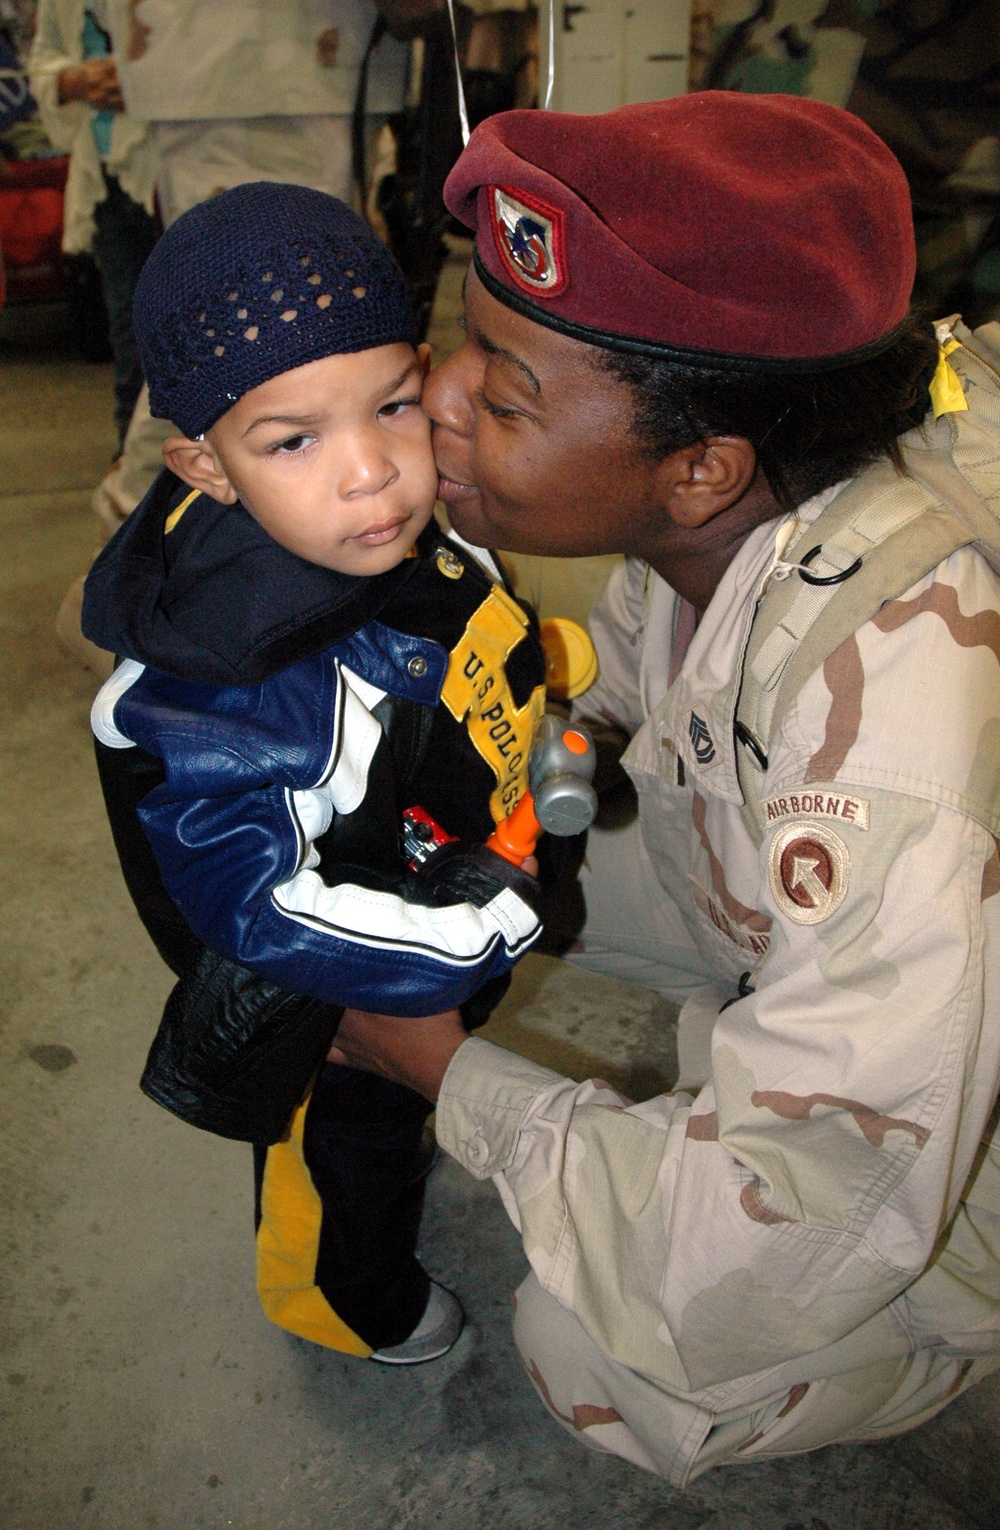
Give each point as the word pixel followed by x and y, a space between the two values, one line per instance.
pixel 366 469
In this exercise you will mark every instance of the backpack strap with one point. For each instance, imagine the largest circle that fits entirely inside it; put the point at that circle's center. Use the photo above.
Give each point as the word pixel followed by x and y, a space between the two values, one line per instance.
pixel 883 533
pixel 878 537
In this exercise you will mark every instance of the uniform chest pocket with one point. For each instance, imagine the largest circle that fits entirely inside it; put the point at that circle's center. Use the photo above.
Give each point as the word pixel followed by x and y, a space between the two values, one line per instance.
pixel 737 945
pixel 737 930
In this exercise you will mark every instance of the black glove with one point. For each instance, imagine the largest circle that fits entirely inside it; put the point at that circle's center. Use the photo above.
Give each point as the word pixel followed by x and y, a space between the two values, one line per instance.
pixel 470 873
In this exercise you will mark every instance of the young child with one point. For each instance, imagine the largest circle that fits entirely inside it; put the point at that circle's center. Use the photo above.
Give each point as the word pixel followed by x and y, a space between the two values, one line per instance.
pixel 304 657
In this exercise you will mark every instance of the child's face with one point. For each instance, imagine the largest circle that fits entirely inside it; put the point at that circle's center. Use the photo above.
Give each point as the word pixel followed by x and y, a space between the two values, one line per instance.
pixel 334 458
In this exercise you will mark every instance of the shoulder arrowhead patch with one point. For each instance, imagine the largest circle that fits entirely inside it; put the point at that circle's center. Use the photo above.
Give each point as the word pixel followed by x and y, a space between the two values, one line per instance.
pixel 810 868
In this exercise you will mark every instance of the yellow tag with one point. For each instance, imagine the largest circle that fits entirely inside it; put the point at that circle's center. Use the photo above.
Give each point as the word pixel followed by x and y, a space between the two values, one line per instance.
pixel 947 394
pixel 570 658
pixel 476 689
pixel 448 565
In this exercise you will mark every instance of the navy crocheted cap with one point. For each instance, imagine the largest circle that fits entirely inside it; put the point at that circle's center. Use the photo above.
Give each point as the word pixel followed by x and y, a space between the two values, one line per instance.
pixel 255 282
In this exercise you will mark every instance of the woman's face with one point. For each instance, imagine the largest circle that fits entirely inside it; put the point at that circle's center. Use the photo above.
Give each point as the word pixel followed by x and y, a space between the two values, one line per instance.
pixel 533 441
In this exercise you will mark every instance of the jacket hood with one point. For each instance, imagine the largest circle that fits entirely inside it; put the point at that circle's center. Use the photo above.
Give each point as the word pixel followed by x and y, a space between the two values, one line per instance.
pixel 214 598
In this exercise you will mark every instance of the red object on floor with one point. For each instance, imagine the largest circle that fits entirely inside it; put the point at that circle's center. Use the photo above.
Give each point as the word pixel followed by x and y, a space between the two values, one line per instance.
pixel 31 228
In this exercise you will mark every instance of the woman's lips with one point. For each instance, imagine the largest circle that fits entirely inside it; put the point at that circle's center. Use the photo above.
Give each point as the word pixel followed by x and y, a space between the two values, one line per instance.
pixel 450 490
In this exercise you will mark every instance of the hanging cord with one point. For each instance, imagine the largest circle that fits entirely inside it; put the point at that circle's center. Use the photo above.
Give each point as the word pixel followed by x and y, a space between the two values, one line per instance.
pixel 549 84
pixel 782 568
pixel 552 56
pixel 358 145
pixel 462 113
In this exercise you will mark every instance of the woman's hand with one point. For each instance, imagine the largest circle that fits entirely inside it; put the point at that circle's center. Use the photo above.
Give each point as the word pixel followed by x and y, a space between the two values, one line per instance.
pixel 414 1052
pixel 94 82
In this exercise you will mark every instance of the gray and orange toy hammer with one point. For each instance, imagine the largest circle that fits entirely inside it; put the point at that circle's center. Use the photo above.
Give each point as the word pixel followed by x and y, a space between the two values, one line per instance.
pixel 560 798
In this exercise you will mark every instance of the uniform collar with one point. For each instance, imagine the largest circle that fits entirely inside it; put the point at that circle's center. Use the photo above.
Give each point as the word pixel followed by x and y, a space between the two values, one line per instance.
pixel 696 715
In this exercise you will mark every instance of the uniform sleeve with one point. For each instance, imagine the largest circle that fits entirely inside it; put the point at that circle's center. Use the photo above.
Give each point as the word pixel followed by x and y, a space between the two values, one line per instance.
pixel 234 828
pixel 705 1240
pixel 50 54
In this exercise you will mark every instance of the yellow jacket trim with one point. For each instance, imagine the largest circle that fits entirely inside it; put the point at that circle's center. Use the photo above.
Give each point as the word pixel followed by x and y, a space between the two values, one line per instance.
pixel 476 688
pixel 175 515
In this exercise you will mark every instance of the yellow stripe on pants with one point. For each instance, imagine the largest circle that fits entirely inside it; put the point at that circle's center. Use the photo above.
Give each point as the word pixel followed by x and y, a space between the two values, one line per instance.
pixel 288 1246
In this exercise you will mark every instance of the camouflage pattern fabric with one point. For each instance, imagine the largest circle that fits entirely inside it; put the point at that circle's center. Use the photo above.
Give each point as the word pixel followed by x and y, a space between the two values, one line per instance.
pixel 618 1411
pixel 925 76
pixel 810 1243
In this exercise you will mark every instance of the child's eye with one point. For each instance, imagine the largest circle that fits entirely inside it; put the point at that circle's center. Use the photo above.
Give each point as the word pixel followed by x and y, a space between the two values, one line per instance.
pixel 290 445
pixel 395 405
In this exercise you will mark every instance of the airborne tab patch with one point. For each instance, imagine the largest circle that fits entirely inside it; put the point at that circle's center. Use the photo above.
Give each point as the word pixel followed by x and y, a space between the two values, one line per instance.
pixel 818 804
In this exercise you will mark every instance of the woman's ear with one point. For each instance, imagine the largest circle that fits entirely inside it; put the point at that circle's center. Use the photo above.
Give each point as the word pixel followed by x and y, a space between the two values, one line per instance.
pixel 424 357
pixel 698 482
pixel 197 464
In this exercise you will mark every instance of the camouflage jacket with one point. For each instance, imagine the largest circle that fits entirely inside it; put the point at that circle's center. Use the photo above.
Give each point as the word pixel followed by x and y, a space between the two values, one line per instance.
pixel 833 1195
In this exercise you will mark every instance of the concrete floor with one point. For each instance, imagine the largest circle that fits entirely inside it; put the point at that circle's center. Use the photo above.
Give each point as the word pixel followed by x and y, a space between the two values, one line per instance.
pixel 139 1384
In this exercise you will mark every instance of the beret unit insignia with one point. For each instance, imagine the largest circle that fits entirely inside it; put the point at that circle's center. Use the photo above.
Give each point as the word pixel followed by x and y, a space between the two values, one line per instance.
pixel 529 235
pixel 810 869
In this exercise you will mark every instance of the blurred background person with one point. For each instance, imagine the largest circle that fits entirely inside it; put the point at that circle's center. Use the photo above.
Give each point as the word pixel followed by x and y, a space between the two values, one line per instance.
pixel 112 170
pixel 229 103
pixel 303 97
pixel 923 76
pixel 109 210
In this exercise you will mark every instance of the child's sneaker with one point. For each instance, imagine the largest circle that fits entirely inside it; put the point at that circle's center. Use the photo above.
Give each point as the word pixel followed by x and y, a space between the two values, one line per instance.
pixel 433 1336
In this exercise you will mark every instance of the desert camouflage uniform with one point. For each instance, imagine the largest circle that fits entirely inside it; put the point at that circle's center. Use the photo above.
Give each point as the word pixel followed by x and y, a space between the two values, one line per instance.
pixel 808 1248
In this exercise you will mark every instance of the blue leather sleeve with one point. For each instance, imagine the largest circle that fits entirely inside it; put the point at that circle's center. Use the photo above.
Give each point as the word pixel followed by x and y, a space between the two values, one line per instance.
pixel 232 841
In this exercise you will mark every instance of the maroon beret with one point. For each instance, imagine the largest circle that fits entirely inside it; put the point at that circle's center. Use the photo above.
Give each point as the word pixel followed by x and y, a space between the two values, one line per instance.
pixel 716 226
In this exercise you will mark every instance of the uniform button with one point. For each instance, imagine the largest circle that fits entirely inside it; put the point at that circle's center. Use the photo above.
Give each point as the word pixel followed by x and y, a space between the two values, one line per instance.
pixel 477 1150
pixel 417 666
